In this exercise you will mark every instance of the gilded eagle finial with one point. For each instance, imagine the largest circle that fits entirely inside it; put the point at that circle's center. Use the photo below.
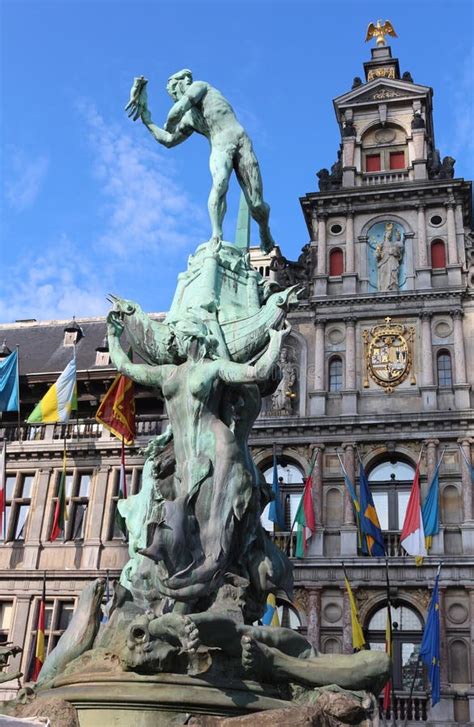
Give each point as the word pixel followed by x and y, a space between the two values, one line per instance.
pixel 379 31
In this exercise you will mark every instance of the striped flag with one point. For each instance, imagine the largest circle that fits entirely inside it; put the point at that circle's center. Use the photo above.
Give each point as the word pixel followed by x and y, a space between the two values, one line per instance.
pixel 9 389
pixel 372 537
pixel 412 537
pixel 122 492
pixel 3 477
pixel 305 515
pixel 60 511
pixel 60 399
pixel 117 409
pixel 358 640
pixel 40 645
pixel 270 616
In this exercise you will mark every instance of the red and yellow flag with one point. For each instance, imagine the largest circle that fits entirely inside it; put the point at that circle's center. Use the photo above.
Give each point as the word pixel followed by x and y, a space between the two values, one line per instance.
pixel 40 645
pixel 117 409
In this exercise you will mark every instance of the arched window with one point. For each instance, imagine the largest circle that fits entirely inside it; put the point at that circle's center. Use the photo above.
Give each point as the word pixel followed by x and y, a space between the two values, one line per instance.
pixel 390 483
pixel 290 482
pixel 335 374
pixel 438 254
pixel 407 627
pixel 443 365
pixel 336 262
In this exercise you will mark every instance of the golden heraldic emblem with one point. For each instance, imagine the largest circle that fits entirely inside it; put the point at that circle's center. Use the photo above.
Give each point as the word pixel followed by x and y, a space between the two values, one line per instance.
pixel 389 354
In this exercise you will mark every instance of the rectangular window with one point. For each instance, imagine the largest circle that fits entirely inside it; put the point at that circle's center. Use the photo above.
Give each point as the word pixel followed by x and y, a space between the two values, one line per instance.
pixel 58 613
pixel 6 613
pixel 77 502
pixel 397 160
pixel 403 498
pixel 372 163
pixel 18 489
pixel 381 505
pixel 134 483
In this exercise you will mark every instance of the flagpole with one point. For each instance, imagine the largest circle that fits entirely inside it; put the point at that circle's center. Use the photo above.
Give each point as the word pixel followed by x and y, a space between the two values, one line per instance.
pixel 18 385
pixel 294 519
pixel 389 616
pixel 412 688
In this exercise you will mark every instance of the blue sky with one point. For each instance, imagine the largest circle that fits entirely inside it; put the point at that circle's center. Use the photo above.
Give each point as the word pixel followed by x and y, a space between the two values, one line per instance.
pixel 91 204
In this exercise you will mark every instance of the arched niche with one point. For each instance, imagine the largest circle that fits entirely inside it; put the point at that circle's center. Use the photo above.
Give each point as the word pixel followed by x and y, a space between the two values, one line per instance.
pixel 372 233
pixel 458 662
pixel 333 507
pixel 451 505
pixel 331 645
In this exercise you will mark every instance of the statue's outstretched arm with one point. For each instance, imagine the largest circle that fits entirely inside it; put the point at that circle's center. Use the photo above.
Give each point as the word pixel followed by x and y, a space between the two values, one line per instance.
pixel 234 373
pixel 141 373
pixel 191 97
pixel 167 138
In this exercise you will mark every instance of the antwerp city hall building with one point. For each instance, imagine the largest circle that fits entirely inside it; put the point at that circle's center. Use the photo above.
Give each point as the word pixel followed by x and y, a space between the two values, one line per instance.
pixel 378 368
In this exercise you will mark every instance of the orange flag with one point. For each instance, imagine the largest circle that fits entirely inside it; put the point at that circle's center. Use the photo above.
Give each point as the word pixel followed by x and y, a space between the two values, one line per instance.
pixel 117 409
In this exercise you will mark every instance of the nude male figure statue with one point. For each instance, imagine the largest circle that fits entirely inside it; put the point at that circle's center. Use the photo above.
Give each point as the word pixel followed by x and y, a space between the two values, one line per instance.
pixel 202 108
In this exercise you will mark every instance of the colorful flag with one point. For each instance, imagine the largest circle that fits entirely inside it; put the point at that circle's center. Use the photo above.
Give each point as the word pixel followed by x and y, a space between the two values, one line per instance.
pixel 355 500
pixel 3 478
pixel 430 509
pixel 270 616
pixel 358 640
pixel 305 515
pixel 117 409
pixel 372 537
pixel 430 645
pixel 40 645
pixel 275 511
pixel 387 691
pixel 60 399
pixel 9 389
pixel 122 493
pixel 412 537
pixel 60 511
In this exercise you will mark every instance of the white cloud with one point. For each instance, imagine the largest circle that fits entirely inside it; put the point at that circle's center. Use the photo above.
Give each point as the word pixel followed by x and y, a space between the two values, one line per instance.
pixel 26 177
pixel 145 208
pixel 55 284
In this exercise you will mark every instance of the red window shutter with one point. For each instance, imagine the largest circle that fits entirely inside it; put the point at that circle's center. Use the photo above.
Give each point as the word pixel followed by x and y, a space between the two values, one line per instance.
pixel 438 254
pixel 372 163
pixel 336 262
pixel 397 160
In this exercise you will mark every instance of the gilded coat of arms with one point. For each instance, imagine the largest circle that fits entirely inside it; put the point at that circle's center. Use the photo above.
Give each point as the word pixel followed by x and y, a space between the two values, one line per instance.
pixel 389 354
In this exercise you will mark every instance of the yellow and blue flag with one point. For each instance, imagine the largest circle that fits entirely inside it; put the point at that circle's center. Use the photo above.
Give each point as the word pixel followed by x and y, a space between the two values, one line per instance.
pixel 59 401
pixel 9 394
pixel 270 616
pixel 372 537
pixel 275 511
pixel 430 645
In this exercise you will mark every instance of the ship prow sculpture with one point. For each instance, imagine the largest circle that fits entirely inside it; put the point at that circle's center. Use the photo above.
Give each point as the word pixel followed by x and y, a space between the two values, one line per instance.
pixel 184 634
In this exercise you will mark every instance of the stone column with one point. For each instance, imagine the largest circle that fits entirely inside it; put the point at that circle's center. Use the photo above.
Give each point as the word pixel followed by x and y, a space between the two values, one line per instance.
pixel 423 271
pixel 314 618
pixel 467 527
pixel 443 652
pixel 349 397
pixel 461 386
pixel 19 631
pixel 348 529
pixel 350 259
pixel 431 462
pixel 346 624
pixel 316 544
pixel 318 398
pixel 349 465
pixel 451 225
pixel 321 270
pixel 428 388
pixel 471 660
pixel 349 276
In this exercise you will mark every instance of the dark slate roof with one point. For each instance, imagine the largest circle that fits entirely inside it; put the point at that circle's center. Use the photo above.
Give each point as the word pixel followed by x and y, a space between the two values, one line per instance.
pixel 41 344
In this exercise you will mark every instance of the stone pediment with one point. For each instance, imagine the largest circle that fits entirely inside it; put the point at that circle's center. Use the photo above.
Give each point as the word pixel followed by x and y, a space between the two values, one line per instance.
pixel 382 90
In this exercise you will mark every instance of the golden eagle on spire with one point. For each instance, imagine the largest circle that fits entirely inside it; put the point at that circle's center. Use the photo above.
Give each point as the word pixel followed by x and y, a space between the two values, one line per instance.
pixel 379 31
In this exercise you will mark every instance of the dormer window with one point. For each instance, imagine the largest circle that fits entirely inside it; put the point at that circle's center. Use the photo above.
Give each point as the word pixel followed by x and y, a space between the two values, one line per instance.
pixel 372 163
pixel 72 333
pixel 397 160
pixel 384 150
pixel 102 355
